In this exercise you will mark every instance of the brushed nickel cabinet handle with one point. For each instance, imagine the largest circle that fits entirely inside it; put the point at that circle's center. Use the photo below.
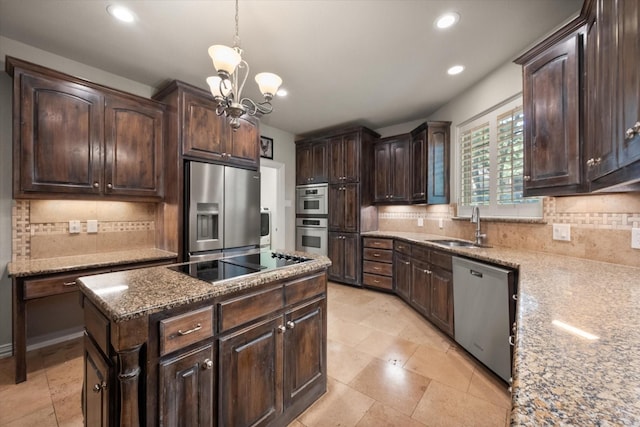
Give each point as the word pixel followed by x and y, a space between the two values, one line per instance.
pixel 109 186
pixel 97 388
pixel 290 324
pixel 69 283
pixel 96 184
pixel 207 364
pixel 527 178
pixel 189 331
pixel 282 329
pixel 376 255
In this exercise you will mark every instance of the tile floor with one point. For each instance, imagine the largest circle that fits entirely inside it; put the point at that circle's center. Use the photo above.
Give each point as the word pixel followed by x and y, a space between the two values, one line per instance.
pixel 387 367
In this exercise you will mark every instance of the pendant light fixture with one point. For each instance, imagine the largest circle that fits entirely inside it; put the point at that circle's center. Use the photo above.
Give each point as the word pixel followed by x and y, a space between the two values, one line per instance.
pixel 227 86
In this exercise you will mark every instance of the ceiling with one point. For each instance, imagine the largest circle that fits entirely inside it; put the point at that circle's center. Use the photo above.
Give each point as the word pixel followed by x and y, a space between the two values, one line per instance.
pixel 372 62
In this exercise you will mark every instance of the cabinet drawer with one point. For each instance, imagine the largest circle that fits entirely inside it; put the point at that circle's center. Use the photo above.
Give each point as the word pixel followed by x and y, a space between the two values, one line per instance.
pixel 402 247
pixel 379 255
pixel 185 329
pixel 370 242
pixel 242 309
pixel 97 325
pixel 302 289
pixel 37 288
pixel 377 268
pixel 420 252
pixel 384 282
pixel 441 259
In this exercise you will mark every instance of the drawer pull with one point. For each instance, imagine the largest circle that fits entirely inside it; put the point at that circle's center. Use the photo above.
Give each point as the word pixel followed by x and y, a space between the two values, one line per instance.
pixel 189 331
pixel 376 268
pixel 69 283
pixel 207 364
pixel 406 262
pixel 376 281
pixel 376 255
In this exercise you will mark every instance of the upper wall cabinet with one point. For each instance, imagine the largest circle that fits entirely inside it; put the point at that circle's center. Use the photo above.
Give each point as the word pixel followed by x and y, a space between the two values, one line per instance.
pixel 392 159
pixel 613 94
pixel 76 139
pixel 430 151
pixel 552 81
pixel 311 162
pixel 206 136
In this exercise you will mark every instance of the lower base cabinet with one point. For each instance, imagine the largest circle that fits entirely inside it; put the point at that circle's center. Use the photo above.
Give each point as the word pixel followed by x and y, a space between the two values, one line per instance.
pixel 97 386
pixel 344 253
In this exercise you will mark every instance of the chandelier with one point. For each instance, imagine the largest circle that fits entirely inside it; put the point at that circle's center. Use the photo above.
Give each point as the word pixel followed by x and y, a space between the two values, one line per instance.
pixel 227 86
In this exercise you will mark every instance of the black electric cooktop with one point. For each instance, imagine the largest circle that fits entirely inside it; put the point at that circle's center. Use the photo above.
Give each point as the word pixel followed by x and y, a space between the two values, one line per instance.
pixel 227 268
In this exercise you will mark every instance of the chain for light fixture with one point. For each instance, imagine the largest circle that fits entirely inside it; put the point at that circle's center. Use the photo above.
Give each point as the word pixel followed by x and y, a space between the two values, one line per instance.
pixel 227 86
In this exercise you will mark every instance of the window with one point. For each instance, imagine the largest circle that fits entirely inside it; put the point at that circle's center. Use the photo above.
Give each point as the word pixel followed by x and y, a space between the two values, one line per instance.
pixel 491 162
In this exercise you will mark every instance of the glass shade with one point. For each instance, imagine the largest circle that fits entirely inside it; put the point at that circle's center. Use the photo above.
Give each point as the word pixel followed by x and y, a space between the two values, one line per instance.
pixel 224 58
pixel 268 83
pixel 216 83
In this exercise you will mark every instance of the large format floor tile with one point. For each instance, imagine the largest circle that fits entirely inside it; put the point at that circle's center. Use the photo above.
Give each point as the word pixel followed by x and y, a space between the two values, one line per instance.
pixel 387 367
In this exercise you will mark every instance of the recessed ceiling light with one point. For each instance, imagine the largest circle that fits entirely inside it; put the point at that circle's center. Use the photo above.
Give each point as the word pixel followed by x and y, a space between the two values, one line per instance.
pixel 121 13
pixel 447 20
pixel 456 69
pixel 282 92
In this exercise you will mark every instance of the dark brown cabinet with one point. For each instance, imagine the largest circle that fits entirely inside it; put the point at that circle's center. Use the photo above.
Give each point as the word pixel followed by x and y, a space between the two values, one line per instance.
pixel 251 373
pixel 344 252
pixel 186 388
pixel 421 286
pixel 344 200
pixel 429 168
pixel 311 162
pixel 344 158
pixel 402 269
pixel 78 139
pixel 208 136
pixel 97 389
pixel 391 170
pixel 553 80
pixel 613 148
pixel 377 263
pixel 441 308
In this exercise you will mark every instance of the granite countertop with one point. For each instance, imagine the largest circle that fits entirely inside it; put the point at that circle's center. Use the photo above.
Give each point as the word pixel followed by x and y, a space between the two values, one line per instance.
pixel 560 378
pixel 78 262
pixel 130 294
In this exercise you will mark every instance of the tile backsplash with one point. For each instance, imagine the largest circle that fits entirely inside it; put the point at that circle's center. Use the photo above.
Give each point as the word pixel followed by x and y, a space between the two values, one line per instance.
pixel 40 228
pixel 600 226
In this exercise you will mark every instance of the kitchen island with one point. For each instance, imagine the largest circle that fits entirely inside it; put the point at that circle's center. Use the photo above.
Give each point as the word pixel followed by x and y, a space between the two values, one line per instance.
pixel 165 348
pixel 585 375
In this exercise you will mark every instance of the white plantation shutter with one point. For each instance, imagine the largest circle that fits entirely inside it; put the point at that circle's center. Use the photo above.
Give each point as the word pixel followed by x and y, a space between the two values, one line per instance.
pixel 475 166
pixel 491 162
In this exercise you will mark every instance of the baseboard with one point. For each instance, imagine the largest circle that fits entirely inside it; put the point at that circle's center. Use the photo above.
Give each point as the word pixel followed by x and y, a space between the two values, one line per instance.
pixel 6 350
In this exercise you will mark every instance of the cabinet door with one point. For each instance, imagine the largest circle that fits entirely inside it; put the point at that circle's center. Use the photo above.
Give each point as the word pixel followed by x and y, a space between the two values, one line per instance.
pixel 351 208
pixel 437 164
pixel 351 153
pixel 336 207
pixel 305 352
pixel 336 160
pixel 134 141
pixel 381 172
pixel 244 144
pixel 629 80
pixel 399 171
pixel 61 137
pixel 335 252
pixel 250 375
pixel 204 132
pixel 186 389
pixel 402 275
pixel 319 162
pixel 602 153
pixel 351 258
pixel 420 286
pixel 551 107
pixel 441 312
pixel 97 387
pixel 419 166
pixel 304 164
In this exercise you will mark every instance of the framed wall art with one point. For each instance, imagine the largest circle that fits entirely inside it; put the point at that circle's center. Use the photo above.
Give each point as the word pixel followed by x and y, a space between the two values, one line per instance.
pixel 266 147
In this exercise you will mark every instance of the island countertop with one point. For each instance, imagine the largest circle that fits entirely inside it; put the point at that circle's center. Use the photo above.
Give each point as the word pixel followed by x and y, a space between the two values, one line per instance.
pixel 130 294
pixel 560 378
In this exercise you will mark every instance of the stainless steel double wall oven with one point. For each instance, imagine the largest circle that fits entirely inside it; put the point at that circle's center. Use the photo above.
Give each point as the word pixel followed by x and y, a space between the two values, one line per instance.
pixel 312 204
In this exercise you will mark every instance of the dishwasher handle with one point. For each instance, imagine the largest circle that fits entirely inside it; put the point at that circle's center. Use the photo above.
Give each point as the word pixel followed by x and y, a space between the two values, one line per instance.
pixel 475 273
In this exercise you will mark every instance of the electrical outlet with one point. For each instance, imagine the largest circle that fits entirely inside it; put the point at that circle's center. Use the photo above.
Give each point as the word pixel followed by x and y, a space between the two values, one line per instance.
pixel 440 223
pixel 562 232
pixel 92 226
pixel 74 227
pixel 635 238
pixel 420 222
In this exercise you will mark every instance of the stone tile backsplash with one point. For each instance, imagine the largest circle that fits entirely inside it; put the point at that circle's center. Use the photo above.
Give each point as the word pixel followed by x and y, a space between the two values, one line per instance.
pixel 40 228
pixel 600 226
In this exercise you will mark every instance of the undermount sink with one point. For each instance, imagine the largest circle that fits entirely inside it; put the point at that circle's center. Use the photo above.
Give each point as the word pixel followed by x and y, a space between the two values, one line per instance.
pixel 455 243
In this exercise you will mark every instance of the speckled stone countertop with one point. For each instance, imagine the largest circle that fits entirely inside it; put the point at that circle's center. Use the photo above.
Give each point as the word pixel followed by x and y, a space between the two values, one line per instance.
pixel 126 295
pixel 560 378
pixel 78 262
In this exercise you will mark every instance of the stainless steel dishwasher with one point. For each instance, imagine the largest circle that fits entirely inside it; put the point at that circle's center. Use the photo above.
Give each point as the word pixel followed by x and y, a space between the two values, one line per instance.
pixel 481 303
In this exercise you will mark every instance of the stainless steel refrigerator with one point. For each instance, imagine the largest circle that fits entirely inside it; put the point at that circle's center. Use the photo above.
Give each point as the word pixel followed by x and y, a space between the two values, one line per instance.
pixel 223 210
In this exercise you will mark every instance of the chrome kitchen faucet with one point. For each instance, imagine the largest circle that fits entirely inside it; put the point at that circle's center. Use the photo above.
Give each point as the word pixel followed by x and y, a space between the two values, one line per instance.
pixel 475 218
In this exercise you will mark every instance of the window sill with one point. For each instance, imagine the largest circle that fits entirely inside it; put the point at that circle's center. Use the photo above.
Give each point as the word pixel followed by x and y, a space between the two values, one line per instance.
pixel 501 219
